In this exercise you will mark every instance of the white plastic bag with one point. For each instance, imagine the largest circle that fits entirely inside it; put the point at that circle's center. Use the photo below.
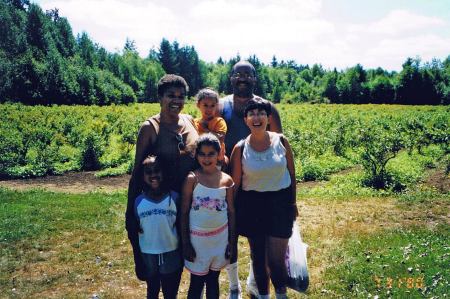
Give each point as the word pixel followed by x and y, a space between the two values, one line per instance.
pixel 296 264
pixel 252 288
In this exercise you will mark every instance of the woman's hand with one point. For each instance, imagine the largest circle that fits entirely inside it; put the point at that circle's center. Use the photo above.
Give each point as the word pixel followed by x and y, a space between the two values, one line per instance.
pixel 189 252
pixel 295 211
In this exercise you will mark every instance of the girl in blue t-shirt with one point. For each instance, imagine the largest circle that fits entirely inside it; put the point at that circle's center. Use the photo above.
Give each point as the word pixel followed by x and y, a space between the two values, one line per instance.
pixel 156 210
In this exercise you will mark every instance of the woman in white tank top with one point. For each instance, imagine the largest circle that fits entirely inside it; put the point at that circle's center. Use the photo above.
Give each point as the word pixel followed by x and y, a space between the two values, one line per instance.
pixel 264 175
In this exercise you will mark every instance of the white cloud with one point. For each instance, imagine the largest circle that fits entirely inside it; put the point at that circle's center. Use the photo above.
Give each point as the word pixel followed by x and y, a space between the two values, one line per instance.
pixel 289 29
pixel 394 50
pixel 399 22
pixel 110 22
pixel 387 42
pixel 264 28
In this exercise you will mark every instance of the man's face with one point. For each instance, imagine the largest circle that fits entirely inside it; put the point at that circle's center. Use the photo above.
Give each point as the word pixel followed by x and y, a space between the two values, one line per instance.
pixel 243 81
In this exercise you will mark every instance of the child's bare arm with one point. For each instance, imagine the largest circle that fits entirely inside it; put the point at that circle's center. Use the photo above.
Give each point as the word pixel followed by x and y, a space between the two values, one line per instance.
pixel 144 142
pixel 291 169
pixel 186 200
pixel 231 252
pixel 236 167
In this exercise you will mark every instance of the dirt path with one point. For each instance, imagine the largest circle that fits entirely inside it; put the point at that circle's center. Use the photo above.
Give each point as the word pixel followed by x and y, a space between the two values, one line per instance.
pixel 83 182
pixel 72 182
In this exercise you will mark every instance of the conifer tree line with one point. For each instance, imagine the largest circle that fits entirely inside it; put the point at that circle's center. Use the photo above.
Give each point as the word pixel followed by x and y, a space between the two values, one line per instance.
pixel 42 62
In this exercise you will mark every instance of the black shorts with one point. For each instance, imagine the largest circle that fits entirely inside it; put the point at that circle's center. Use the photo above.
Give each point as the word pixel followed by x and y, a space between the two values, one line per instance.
pixel 270 213
pixel 164 263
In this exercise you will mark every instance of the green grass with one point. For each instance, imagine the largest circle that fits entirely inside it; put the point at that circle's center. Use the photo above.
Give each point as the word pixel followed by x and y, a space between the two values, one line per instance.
pixel 342 186
pixel 399 263
pixel 56 245
pixel 37 214
pixel 50 239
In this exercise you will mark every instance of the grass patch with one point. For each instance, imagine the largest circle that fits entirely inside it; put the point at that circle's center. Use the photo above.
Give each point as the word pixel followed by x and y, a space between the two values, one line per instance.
pixel 56 245
pixel 343 186
pixel 115 171
pixel 50 241
pixel 37 214
pixel 400 263
pixel 319 168
pixel 421 195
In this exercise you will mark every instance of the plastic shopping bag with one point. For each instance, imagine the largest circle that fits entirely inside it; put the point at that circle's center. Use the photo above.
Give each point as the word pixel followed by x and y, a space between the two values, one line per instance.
pixel 296 262
pixel 252 289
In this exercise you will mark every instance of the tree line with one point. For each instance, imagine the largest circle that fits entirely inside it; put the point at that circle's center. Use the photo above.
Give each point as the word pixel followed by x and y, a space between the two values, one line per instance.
pixel 42 62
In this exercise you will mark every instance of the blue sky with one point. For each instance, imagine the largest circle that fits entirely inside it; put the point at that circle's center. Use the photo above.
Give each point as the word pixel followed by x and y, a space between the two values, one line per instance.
pixel 334 33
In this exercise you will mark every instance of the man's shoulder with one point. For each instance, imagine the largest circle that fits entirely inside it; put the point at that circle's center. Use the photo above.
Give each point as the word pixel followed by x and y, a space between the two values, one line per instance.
pixel 227 98
pixel 268 101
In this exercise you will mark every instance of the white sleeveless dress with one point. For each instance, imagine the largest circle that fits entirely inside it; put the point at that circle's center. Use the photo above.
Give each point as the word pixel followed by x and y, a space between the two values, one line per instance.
pixel 208 221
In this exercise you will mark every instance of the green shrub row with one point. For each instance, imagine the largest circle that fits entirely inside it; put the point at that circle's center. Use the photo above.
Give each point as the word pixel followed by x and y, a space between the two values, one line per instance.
pixel 37 141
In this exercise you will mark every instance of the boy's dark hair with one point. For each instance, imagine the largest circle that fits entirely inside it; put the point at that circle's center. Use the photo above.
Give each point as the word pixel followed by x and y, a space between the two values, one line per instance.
pixel 171 80
pixel 258 104
pixel 207 139
pixel 207 93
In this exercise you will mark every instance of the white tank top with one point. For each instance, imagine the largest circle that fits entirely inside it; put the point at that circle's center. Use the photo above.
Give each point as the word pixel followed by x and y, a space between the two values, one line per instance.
pixel 208 208
pixel 266 170
pixel 157 220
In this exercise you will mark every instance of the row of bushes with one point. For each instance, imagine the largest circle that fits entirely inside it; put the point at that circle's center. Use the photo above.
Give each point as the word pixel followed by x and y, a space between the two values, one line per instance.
pixel 37 141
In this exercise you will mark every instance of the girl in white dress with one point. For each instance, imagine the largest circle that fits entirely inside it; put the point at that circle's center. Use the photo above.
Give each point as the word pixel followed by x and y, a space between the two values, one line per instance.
pixel 207 220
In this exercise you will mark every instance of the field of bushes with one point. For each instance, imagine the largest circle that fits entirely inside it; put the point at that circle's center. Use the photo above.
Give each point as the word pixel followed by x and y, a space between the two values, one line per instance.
pixel 394 145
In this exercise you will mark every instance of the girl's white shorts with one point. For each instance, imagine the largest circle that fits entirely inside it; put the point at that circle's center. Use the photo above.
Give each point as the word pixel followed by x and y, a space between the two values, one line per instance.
pixel 210 247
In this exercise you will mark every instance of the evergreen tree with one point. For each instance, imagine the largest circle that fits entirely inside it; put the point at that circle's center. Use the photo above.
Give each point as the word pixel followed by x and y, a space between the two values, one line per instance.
pixel 352 86
pixel 328 87
pixel 167 57
pixel 13 40
pixel 18 4
pixel 261 86
pixel 86 49
pixel 65 41
pixel 36 30
pixel 409 83
pixel 274 62
pixel 130 46
pixel 382 91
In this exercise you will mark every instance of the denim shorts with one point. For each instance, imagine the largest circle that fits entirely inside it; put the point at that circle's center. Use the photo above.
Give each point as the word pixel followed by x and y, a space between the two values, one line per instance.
pixel 164 263
pixel 270 213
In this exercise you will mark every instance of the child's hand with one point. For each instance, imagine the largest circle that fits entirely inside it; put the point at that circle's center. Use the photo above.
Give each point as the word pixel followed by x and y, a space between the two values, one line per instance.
pixel 204 124
pixel 231 253
pixel 189 252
